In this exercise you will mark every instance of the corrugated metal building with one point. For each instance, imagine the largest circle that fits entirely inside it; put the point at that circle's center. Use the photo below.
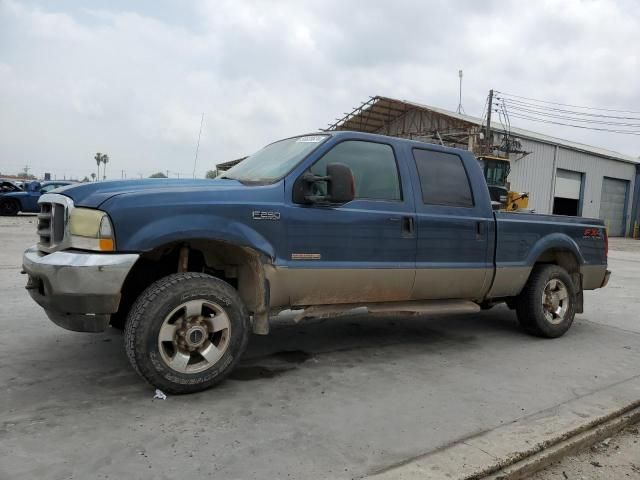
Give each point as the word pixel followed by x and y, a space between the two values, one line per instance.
pixel 561 176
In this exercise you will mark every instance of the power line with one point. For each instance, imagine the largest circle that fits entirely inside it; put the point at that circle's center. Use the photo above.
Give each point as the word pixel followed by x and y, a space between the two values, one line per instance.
pixel 541 111
pixel 525 117
pixel 515 103
pixel 568 104
pixel 572 118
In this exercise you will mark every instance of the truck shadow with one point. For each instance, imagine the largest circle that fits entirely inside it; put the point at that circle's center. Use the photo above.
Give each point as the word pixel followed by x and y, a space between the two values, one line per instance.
pixel 374 338
pixel 97 362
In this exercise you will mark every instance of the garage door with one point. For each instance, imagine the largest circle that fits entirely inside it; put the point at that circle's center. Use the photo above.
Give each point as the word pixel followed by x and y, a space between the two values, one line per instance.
pixel 568 184
pixel 613 205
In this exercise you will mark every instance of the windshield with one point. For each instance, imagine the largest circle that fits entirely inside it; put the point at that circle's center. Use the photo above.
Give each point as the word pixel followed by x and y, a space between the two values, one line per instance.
pixel 274 161
pixel 496 172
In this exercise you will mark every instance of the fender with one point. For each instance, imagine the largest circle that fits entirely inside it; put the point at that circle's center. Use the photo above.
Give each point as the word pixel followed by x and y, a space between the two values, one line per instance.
pixel 554 241
pixel 510 277
pixel 194 226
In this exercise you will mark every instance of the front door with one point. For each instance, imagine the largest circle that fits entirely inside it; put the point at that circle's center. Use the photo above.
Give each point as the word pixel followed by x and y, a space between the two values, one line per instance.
pixel 453 259
pixel 363 251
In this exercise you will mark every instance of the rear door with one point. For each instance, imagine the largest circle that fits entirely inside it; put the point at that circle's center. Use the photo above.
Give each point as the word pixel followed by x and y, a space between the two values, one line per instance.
pixel 363 251
pixel 453 258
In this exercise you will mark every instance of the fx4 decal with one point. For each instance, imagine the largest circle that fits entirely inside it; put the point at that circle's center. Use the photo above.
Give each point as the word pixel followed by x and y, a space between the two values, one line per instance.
pixel 592 233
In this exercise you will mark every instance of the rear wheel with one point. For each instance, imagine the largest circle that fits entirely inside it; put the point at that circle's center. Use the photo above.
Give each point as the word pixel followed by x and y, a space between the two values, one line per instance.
pixel 186 332
pixel 9 208
pixel 546 306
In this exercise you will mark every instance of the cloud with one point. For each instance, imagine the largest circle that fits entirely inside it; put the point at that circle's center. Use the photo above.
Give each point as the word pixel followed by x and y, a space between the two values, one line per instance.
pixel 134 79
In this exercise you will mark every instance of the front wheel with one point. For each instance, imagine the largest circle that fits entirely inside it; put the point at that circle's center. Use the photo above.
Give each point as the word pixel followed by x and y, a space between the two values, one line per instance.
pixel 9 208
pixel 186 332
pixel 547 304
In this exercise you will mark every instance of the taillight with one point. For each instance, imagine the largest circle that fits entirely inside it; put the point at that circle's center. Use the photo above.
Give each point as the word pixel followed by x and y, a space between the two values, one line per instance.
pixel 606 243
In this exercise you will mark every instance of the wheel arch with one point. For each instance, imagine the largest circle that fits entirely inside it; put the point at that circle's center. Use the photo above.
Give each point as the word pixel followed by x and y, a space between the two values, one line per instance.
pixel 562 257
pixel 559 249
pixel 16 200
pixel 241 266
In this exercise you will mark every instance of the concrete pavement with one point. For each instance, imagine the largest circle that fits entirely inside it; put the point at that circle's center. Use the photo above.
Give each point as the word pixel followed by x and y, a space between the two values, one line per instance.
pixel 334 398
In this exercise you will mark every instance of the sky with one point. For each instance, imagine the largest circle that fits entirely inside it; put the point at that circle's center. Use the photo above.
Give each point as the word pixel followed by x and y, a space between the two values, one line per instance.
pixel 133 78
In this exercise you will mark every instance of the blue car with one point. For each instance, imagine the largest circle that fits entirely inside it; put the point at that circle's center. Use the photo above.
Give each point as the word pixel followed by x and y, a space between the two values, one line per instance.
pixel 27 200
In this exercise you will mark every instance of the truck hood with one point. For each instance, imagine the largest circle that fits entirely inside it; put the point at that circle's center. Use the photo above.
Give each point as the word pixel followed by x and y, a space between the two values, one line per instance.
pixel 8 187
pixel 94 194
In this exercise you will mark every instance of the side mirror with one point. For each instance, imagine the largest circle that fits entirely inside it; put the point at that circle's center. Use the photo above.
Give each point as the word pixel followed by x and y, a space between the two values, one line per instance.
pixel 340 186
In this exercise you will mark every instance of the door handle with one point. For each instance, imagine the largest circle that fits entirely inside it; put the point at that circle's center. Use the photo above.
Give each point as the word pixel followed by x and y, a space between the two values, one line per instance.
pixel 408 227
pixel 480 229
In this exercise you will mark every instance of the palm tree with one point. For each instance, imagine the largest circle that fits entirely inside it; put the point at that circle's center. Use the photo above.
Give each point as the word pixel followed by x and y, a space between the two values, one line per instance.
pixel 98 159
pixel 105 160
pixel 93 177
pixel 101 158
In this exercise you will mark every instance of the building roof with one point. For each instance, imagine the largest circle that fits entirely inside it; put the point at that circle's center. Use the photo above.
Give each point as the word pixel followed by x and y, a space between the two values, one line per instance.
pixel 375 113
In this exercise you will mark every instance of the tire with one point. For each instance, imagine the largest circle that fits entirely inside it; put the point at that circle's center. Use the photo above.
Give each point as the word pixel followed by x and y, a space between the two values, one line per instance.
pixel 175 320
pixel 9 208
pixel 541 309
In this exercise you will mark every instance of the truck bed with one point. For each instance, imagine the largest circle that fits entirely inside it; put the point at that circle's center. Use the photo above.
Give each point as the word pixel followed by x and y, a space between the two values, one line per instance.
pixel 523 238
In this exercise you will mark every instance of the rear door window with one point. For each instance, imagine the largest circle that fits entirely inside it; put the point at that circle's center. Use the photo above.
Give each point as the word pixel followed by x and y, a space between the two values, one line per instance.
pixel 443 178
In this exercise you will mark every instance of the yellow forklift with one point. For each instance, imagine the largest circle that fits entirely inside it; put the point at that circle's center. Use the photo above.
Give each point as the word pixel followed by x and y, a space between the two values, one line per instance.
pixel 496 170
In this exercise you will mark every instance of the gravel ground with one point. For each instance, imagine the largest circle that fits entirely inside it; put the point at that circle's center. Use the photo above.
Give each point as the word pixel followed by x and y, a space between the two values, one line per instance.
pixel 613 459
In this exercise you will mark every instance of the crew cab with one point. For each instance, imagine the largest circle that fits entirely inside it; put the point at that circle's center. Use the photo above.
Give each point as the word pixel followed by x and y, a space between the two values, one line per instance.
pixel 26 201
pixel 321 224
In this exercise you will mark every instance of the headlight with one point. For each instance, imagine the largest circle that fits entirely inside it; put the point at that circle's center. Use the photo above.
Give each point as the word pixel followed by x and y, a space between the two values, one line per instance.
pixel 91 230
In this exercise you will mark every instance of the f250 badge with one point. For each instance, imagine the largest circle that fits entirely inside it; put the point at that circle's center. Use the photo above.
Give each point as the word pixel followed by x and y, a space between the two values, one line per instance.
pixel 261 215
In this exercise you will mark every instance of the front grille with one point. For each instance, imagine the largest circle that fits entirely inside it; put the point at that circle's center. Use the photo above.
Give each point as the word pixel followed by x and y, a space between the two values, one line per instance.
pixel 51 225
pixel 45 225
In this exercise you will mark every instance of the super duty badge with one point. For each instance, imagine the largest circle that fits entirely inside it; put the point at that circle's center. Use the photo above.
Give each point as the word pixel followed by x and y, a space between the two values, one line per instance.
pixel 262 215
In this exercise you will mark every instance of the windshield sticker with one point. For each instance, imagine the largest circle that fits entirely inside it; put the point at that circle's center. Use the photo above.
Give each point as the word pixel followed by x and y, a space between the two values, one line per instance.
pixel 315 139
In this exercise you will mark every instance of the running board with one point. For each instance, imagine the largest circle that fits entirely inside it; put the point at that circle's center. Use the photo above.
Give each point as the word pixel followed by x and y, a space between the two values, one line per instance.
pixel 431 307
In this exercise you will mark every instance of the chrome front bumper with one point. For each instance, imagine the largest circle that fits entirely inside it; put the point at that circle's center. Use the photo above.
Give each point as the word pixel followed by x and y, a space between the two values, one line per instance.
pixel 78 291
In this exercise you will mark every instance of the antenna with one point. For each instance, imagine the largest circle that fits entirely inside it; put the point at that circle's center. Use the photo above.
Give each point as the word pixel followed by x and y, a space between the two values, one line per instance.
pixel 195 160
pixel 460 109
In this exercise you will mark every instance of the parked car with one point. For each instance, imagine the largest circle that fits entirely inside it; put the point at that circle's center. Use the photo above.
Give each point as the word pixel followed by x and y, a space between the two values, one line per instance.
pixel 7 186
pixel 322 223
pixel 11 203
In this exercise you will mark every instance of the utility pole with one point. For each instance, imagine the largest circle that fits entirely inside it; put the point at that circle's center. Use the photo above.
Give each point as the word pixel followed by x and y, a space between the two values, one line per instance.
pixel 460 109
pixel 487 135
pixel 195 160
pixel 167 173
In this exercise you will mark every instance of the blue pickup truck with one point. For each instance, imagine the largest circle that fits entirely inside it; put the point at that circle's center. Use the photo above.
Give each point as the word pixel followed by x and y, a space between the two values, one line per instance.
pixel 319 223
